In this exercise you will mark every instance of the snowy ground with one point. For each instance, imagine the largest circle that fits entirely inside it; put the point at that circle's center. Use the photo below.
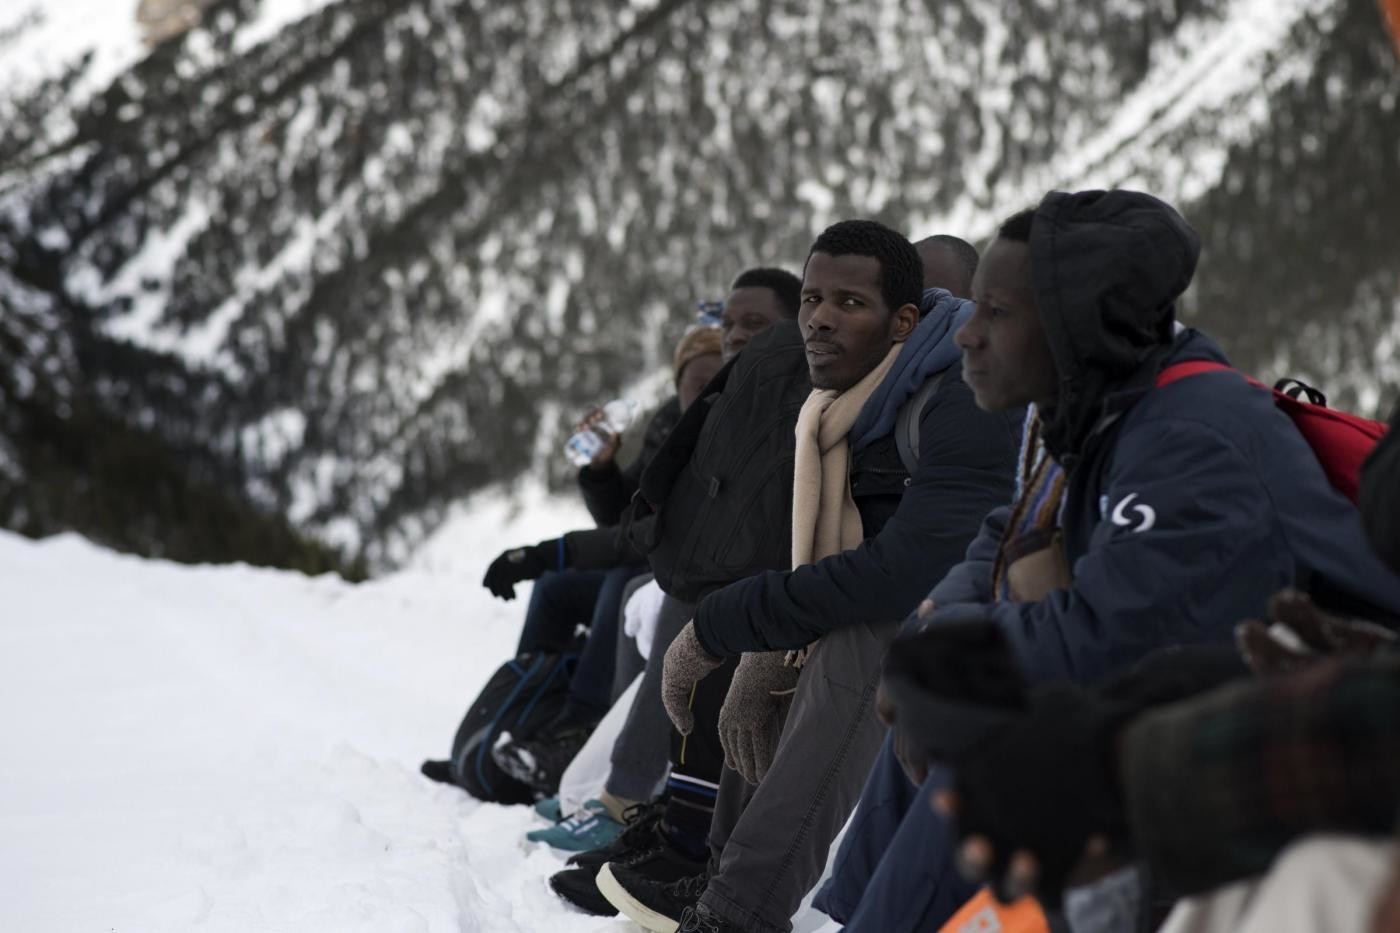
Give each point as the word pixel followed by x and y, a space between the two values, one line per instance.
pixel 233 749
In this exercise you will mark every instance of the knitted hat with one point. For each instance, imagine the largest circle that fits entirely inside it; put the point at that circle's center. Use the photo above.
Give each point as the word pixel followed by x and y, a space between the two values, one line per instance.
pixel 698 341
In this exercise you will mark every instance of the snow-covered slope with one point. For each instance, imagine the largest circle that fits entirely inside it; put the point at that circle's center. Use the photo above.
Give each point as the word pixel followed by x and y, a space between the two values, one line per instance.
pixel 233 749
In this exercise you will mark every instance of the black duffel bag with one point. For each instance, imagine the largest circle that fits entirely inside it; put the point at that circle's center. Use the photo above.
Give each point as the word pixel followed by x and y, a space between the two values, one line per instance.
pixel 523 694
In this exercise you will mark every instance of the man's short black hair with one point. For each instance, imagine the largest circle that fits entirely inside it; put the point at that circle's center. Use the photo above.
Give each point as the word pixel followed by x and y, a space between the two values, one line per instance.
pixel 901 269
pixel 964 261
pixel 1017 227
pixel 780 282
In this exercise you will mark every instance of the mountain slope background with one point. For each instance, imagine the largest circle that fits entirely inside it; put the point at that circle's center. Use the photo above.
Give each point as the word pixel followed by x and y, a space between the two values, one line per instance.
pixel 322 269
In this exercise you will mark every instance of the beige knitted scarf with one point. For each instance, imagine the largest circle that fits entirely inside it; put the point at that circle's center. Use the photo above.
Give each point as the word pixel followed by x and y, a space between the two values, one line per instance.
pixel 825 520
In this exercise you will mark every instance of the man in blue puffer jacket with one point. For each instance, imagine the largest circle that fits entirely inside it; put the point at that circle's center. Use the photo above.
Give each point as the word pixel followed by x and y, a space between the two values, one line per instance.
pixel 1186 506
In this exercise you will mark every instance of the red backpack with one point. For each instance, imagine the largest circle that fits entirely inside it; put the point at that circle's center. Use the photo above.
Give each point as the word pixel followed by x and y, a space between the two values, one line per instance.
pixel 1341 440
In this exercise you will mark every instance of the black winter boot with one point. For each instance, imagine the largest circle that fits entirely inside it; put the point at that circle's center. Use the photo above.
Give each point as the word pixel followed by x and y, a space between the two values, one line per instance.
pixel 641 845
pixel 655 903
pixel 698 919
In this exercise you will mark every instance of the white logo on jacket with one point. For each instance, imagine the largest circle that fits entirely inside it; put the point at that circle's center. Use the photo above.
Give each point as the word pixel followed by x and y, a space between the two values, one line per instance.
pixel 1146 516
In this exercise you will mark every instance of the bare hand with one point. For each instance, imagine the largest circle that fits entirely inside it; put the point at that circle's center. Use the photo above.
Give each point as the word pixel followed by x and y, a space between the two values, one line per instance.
pixel 611 441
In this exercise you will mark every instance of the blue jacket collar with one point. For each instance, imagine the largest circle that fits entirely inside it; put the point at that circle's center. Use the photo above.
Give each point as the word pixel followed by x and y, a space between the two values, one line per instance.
pixel 929 349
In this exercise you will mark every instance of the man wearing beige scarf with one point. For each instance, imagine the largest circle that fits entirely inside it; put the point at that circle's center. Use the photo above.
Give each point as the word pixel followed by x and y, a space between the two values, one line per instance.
pixel 868 540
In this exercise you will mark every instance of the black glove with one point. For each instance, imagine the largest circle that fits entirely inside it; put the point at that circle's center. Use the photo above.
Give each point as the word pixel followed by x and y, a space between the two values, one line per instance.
pixel 911 760
pixel 1045 782
pixel 947 685
pixel 520 564
pixel 1035 772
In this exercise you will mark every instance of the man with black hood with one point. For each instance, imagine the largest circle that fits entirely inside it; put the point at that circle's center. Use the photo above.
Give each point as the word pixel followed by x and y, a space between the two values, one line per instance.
pixel 1187 505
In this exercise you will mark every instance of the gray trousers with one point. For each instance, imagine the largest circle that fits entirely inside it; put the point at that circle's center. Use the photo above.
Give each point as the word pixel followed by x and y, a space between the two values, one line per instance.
pixel 769 843
pixel 642 753
pixel 629 662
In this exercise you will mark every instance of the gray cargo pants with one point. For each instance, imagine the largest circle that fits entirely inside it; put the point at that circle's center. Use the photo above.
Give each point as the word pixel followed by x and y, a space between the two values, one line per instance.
pixel 769 843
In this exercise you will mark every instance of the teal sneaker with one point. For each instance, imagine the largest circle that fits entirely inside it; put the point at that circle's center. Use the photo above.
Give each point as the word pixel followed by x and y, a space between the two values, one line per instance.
pixel 589 828
pixel 549 809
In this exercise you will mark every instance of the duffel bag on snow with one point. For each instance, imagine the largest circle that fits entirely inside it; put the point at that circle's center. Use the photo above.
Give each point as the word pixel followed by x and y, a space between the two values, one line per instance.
pixel 522 695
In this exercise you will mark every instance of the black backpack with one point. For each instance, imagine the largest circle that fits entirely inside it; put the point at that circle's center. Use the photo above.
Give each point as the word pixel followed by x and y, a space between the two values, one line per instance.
pixel 715 504
pixel 522 695
pixel 906 426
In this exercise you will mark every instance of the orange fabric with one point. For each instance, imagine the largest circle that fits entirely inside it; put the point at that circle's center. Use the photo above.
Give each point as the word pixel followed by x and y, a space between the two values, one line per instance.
pixel 1392 16
pixel 985 914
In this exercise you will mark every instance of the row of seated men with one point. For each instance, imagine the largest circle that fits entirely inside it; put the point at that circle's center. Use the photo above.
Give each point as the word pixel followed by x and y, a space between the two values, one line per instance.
pixel 961 553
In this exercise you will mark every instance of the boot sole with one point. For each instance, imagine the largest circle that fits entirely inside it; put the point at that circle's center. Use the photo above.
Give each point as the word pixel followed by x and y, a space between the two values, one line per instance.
pixel 632 908
pixel 583 902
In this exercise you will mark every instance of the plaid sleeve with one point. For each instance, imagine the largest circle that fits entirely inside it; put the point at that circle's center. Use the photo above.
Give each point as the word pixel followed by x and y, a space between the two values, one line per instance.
pixel 1217 786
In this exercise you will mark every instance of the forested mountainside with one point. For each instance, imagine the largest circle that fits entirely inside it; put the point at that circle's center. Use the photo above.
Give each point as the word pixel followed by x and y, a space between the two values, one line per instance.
pixel 285 274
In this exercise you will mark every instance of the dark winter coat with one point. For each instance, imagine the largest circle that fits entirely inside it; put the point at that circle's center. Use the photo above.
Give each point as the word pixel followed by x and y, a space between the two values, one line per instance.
pixel 1380 496
pixel 608 489
pixel 1186 506
pixel 970 581
pixel 916 529
pixel 715 504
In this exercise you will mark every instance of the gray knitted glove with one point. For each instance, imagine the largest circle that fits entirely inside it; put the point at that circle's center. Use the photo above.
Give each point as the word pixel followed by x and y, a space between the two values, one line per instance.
pixel 685 665
pixel 754 710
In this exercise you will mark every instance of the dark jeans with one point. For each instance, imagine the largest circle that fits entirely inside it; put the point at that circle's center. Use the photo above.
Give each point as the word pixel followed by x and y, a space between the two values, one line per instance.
pixel 559 603
pixel 894 871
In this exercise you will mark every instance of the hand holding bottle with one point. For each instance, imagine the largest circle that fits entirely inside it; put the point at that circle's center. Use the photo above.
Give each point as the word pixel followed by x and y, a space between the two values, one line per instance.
pixel 599 434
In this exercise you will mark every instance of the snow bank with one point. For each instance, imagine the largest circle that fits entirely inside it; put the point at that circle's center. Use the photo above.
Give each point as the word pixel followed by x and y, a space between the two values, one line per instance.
pixel 235 749
pixel 228 748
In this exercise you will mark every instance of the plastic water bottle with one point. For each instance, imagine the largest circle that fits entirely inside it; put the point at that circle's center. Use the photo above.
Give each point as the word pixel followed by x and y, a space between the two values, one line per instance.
pixel 707 314
pixel 583 446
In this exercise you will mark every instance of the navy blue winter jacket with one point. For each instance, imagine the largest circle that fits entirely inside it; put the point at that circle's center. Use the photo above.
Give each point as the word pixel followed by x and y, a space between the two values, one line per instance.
pixel 1380 496
pixel 1206 501
pixel 1187 506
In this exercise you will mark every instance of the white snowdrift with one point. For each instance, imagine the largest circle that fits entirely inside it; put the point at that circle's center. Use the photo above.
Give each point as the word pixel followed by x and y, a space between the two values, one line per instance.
pixel 226 748
pixel 235 749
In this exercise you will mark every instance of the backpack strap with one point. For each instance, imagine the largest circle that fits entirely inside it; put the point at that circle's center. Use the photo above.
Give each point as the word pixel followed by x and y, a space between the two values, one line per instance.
pixel 1178 371
pixel 906 424
pixel 1342 441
